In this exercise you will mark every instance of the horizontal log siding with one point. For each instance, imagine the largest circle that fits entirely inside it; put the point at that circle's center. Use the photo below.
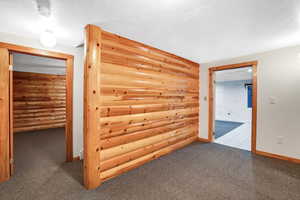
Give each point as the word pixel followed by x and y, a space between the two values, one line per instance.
pixel 39 101
pixel 148 107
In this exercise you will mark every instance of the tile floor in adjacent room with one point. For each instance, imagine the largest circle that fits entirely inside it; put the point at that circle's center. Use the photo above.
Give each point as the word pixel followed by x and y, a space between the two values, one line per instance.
pixel 238 138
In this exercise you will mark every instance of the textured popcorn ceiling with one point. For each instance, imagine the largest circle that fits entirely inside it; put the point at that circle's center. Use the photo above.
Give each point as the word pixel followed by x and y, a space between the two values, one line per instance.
pixel 201 30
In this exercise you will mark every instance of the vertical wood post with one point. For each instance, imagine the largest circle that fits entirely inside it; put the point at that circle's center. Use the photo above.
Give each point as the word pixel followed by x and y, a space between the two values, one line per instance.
pixel 11 117
pixel 69 109
pixel 210 105
pixel 92 106
pixel 254 108
pixel 4 115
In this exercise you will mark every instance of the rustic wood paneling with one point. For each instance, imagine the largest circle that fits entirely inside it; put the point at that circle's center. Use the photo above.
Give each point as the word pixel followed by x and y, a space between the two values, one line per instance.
pixel 148 104
pixel 39 101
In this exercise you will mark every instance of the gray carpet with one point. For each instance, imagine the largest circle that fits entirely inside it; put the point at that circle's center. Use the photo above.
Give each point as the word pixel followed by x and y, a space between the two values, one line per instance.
pixel 224 127
pixel 199 171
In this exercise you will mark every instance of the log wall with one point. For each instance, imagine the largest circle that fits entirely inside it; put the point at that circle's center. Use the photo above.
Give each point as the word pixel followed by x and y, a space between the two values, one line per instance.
pixel 39 101
pixel 148 104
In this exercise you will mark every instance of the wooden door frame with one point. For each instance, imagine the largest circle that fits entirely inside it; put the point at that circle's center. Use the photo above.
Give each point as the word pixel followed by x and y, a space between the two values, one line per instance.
pixel 13 48
pixel 211 94
pixel 4 116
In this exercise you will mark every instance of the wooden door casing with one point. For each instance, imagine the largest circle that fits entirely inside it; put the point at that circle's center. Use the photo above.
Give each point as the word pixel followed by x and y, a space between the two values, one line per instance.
pixel 4 116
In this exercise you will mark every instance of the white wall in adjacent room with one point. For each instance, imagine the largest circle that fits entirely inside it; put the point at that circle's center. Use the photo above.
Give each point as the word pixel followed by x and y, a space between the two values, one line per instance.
pixel 232 101
pixel 38 64
pixel 278 110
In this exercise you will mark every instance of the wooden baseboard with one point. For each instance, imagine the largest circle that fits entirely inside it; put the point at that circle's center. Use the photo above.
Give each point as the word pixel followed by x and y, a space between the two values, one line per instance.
pixel 271 155
pixel 203 140
pixel 76 158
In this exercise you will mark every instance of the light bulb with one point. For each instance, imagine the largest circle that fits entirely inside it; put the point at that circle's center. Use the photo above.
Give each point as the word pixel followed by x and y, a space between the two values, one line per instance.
pixel 48 39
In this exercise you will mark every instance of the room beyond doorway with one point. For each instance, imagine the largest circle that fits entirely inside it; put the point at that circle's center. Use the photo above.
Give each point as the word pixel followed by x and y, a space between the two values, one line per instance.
pixel 232 105
pixel 38 109
pixel 7 129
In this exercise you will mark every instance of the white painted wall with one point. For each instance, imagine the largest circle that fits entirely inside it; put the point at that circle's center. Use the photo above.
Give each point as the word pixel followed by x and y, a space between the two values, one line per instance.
pixel 232 101
pixel 278 78
pixel 37 64
pixel 39 69
pixel 77 82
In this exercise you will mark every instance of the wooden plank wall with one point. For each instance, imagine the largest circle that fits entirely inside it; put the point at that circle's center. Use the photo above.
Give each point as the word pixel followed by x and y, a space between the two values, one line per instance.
pixel 39 101
pixel 148 106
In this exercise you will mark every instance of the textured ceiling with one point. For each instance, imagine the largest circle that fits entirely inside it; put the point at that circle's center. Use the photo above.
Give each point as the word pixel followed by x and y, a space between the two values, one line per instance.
pixel 201 30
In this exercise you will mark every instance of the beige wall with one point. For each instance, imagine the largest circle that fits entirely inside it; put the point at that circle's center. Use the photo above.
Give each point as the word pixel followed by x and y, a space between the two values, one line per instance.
pixel 278 125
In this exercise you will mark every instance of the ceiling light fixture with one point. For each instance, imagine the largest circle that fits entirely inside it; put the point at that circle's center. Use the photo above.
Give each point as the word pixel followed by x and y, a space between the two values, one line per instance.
pixel 43 7
pixel 48 39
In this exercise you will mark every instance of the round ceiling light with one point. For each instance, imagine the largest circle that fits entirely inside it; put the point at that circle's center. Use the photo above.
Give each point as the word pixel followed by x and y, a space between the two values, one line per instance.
pixel 48 39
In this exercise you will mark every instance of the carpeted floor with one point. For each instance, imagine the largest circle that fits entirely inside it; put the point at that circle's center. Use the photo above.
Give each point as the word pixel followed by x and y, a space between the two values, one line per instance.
pixel 199 171
pixel 224 127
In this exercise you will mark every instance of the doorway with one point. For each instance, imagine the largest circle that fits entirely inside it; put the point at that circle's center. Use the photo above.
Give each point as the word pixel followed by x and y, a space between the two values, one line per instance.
pixel 37 92
pixel 233 105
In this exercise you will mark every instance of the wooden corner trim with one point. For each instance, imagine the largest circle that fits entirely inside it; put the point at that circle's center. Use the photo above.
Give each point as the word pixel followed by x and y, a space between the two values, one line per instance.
pixel 92 90
pixel 280 157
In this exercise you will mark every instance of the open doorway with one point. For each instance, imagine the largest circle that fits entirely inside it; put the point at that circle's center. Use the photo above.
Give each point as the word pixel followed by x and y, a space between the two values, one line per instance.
pixel 39 112
pixel 36 109
pixel 232 105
